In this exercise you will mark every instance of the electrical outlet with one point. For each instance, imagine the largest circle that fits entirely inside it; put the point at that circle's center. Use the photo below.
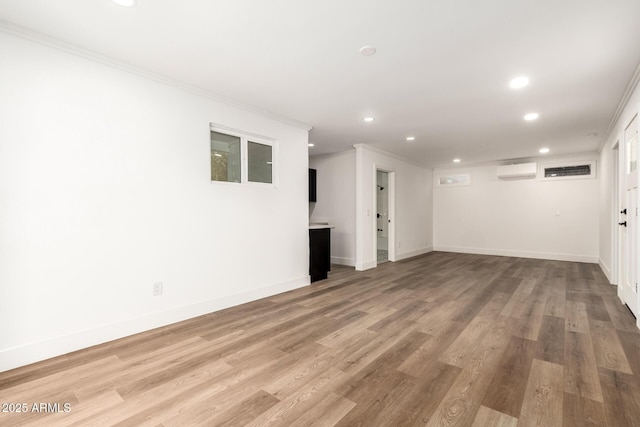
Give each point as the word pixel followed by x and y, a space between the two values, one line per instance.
pixel 157 289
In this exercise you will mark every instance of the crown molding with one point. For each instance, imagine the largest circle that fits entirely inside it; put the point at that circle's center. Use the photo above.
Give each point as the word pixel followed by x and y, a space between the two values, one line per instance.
pixel 633 83
pixel 579 156
pixel 43 39
pixel 348 151
pixel 388 154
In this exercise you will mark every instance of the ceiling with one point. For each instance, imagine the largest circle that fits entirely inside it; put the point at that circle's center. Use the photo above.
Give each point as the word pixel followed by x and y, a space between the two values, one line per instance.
pixel 441 72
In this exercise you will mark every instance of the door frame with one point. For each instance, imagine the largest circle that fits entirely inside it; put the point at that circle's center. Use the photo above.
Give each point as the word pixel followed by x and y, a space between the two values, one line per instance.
pixel 391 208
pixel 616 260
pixel 622 243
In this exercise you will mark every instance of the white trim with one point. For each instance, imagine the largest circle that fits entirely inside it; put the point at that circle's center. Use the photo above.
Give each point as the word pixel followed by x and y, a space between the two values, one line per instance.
pixel 635 79
pixel 43 39
pixel 330 155
pixel 374 216
pixel 615 213
pixel 536 159
pixel 519 254
pixel 416 252
pixel 605 269
pixel 240 133
pixel 391 242
pixel 386 153
pixel 399 256
pixel 350 262
pixel 33 352
pixel 361 212
pixel 366 265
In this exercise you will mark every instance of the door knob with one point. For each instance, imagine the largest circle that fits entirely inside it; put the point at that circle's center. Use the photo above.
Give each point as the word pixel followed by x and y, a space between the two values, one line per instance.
pixel 623 223
pixel 623 211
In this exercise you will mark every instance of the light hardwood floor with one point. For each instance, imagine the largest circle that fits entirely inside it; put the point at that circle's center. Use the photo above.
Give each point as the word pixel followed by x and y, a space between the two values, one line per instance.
pixel 440 339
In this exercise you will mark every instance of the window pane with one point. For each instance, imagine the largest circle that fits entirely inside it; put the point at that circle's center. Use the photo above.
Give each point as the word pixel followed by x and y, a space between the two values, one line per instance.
pixel 631 136
pixel 454 180
pixel 260 162
pixel 633 154
pixel 225 157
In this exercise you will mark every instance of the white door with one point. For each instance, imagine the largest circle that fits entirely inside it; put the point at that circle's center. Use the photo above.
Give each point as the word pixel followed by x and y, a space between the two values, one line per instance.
pixel 628 289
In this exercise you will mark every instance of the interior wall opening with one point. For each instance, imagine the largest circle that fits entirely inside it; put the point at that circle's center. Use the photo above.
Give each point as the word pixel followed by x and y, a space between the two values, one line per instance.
pixel 382 216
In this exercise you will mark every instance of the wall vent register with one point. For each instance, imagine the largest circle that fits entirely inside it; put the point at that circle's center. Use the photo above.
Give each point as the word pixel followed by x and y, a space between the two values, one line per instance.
pixel 579 170
pixel 569 170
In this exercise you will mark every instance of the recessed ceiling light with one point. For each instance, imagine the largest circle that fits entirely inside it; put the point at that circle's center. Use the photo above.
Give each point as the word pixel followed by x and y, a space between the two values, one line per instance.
pixel 519 82
pixel 367 50
pixel 456 160
pixel 125 3
pixel 411 138
pixel 531 116
pixel 544 150
pixel 311 144
pixel 368 119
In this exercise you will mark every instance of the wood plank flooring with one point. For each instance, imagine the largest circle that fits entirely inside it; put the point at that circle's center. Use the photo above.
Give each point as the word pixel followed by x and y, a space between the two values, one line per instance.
pixel 440 339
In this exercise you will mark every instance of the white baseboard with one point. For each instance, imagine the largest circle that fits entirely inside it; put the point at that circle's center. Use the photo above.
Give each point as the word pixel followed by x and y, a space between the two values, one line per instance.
pixel 411 254
pixel 365 265
pixel 605 269
pixel 343 261
pixel 519 254
pixel 37 351
pixel 399 256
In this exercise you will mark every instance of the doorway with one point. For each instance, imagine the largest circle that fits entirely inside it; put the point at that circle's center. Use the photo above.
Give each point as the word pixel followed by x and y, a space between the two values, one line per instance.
pixel 628 219
pixel 382 216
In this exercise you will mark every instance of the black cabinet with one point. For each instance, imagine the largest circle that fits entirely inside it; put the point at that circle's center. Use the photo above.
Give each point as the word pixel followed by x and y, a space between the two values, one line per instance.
pixel 320 253
pixel 312 185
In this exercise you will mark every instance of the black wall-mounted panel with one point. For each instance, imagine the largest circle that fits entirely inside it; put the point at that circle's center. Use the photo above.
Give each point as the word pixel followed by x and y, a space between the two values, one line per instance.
pixel 312 185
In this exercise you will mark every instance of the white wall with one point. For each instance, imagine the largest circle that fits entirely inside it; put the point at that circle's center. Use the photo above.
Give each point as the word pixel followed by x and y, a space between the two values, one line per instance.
pixel 336 202
pixel 104 190
pixel 606 210
pixel 609 215
pixel 518 217
pixel 412 220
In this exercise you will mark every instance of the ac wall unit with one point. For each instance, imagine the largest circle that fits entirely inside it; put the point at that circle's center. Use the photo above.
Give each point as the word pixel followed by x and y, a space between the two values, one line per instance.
pixel 520 171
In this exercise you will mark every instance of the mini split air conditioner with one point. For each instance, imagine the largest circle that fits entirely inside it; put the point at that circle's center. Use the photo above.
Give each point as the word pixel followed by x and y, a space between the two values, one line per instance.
pixel 520 171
